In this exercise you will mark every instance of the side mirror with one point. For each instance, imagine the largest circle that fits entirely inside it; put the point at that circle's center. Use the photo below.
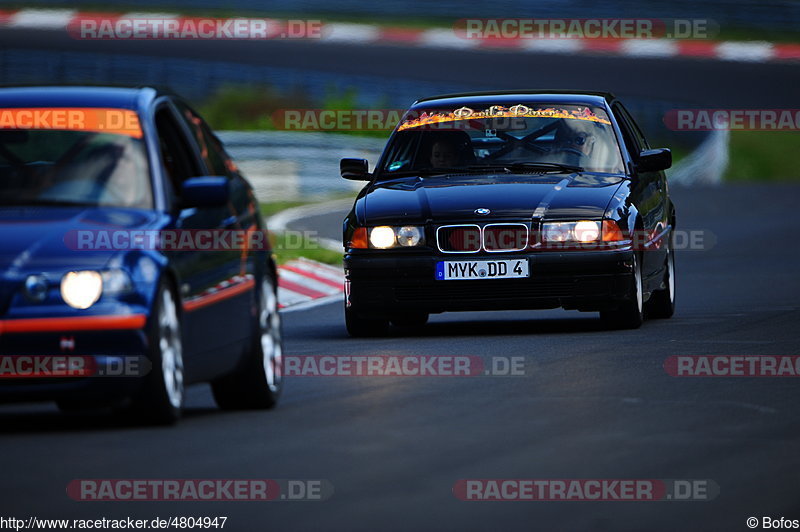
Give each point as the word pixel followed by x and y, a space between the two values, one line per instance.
pixel 206 191
pixel 654 160
pixel 355 169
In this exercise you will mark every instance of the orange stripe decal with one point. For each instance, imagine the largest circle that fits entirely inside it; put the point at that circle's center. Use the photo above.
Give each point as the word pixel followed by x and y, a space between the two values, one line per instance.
pixel 77 323
pixel 220 295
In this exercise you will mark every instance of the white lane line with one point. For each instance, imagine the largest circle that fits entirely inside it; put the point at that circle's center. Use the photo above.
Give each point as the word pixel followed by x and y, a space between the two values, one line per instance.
pixel 556 46
pixel 350 33
pixel 650 48
pixel 446 38
pixel 745 51
pixel 51 19
pixel 281 220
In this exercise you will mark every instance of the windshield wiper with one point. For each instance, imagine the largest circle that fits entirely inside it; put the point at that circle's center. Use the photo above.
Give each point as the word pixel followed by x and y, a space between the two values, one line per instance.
pixel 530 166
pixel 422 172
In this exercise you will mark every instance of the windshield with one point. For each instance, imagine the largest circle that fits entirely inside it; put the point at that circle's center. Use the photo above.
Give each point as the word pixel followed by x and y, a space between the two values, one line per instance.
pixel 556 137
pixel 63 167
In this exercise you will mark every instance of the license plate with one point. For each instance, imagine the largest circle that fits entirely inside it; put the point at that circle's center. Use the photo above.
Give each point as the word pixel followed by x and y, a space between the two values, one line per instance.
pixel 460 270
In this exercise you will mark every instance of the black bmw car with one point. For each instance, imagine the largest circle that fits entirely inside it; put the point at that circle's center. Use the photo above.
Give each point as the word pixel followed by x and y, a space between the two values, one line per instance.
pixel 511 200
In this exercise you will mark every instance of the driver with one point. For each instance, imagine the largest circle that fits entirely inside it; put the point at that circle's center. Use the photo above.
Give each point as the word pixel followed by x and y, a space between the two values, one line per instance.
pixel 574 142
pixel 444 154
pixel 448 150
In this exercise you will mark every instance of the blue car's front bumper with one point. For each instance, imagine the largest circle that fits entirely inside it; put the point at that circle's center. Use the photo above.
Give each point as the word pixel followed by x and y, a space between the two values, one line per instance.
pixel 111 347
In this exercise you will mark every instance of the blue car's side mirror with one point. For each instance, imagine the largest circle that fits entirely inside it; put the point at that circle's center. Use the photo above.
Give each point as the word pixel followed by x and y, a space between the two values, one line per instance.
pixel 206 191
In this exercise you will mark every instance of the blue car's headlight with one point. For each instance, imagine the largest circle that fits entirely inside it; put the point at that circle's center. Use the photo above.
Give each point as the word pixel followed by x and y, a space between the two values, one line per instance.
pixel 81 289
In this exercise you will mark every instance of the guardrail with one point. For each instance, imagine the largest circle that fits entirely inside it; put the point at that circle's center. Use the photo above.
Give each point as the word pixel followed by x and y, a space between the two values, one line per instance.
pixel 285 165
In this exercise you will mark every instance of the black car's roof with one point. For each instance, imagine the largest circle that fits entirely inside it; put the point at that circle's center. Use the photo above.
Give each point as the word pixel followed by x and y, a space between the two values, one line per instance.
pixel 59 96
pixel 522 96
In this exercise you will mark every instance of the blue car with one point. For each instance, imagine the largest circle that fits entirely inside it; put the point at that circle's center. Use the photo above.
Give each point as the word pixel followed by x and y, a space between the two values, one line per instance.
pixel 133 257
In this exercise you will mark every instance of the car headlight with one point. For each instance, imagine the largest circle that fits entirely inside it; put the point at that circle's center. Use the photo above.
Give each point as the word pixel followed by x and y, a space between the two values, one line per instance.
pixel 382 237
pixel 81 289
pixel 409 235
pixel 385 237
pixel 581 231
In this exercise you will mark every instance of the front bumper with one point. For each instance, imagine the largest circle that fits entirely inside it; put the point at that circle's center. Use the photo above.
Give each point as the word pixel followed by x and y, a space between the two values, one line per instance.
pixel 386 283
pixel 116 355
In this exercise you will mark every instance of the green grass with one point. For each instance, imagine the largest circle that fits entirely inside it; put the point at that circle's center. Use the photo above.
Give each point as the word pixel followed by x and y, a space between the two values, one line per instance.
pixel 249 107
pixel 288 246
pixel 763 156
pixel 274 207
pixel 255 108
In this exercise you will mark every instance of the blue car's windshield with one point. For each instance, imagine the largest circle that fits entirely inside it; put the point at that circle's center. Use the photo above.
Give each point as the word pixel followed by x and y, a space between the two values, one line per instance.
pixel 567 137
pixel 65 167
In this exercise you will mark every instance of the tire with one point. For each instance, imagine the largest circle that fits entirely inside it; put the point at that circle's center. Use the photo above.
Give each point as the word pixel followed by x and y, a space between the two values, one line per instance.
pixel 661 304
pixel 630 314
pixel 411 319
pixel 360 327
pixel 258 381
pixel 161 399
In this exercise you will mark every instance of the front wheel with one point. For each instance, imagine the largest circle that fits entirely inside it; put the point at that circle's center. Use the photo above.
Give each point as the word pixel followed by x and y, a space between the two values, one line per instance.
pixel 161 399
pixel 661 304
pixel 258 382
pixel 630 313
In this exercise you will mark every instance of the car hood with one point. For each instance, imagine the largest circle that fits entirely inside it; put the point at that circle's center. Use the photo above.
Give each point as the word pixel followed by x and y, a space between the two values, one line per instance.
pixel 37 239
pixel 520 197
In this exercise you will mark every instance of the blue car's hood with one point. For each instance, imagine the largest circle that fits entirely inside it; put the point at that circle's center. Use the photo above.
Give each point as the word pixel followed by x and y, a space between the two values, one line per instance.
pixel 41 239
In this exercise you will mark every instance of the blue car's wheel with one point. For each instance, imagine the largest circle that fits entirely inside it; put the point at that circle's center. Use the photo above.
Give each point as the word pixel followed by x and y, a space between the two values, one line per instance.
pixel 162 395
pixel 258 381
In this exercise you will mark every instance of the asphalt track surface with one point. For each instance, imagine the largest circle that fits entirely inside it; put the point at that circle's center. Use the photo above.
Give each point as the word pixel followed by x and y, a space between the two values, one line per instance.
pixel 712 83
pixel 592 404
